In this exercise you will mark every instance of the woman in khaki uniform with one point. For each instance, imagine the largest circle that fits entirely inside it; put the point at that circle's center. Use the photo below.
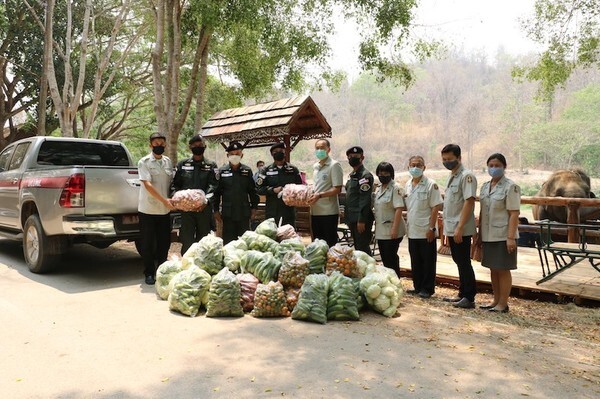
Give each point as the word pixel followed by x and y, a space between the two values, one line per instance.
pixel 500 201
pixel 389 224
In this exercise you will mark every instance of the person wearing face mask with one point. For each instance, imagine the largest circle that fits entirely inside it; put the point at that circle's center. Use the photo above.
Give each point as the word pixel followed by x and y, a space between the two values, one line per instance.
pixel 328 178
pixel 459 223
pixel 155 172
pixel 389 224
pixel 271 180
pixel 423 202
pixel 235 200
pixel 195 172
pixel 358 212
pixel 500 203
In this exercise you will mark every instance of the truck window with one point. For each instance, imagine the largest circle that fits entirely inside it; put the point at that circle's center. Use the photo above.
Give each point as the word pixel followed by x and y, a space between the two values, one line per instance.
pixel 5 157
pixel 19 155
pixel 65 153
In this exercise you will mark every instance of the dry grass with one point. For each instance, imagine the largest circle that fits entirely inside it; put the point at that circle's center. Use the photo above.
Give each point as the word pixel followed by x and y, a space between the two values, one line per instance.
pixel 563 320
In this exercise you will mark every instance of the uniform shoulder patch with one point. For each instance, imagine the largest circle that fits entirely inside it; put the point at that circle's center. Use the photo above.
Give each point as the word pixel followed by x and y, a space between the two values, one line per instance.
pixel 259 181
pixel 365 187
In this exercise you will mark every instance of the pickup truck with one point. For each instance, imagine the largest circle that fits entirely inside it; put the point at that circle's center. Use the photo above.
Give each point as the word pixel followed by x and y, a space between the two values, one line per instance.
pixel 56 191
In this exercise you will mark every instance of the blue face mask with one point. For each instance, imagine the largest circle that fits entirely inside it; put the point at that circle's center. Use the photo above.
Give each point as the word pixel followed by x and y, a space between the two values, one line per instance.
pixel 321 154
pixel 415 172
pixel 496 171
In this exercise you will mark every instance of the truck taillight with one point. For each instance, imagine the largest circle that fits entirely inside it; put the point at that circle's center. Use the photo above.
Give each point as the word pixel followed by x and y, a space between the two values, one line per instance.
pixel 73 195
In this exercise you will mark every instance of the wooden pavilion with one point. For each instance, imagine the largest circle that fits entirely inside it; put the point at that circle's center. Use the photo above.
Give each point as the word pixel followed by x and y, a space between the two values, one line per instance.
pixel 288 120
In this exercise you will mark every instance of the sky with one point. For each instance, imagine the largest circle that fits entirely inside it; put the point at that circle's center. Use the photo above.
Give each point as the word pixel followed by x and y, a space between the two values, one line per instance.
pixel 472 25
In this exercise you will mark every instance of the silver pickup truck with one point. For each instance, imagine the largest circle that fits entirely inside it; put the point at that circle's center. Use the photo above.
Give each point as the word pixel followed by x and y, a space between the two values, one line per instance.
pixel 55 192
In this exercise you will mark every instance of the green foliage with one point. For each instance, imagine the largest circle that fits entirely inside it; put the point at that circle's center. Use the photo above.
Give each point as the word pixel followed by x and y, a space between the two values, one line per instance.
pixel 570 31
pixel 568 141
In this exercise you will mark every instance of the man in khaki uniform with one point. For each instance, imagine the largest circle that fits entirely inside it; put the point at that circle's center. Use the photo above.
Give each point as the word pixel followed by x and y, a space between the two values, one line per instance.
pixel 459 223
pixel 328 179
pixel 423 202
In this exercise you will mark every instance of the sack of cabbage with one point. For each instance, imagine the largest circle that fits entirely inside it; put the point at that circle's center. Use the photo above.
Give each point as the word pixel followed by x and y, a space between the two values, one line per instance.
pixel 189 290
pixel 383 290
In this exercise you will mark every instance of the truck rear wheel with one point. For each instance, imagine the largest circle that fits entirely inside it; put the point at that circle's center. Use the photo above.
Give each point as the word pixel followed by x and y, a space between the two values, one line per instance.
pixel 37 247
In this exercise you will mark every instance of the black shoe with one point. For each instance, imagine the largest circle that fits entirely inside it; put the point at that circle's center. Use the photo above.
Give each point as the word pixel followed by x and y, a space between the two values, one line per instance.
pixel 412 292
pixel 424 294
pixel 505 310
pixel 464 304
pixel 150 280
pixel 452 299
pixel 486 306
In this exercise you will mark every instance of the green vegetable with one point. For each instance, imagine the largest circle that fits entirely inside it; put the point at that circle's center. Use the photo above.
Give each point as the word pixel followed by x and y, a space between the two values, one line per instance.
pixel 232 254
pixel 290 245
pixel 262 265
pixel 188 288
pixel 267 228
pixel 164 274
pixel 312 303
pixel 316 254
pixel 224 295
pixel 341 298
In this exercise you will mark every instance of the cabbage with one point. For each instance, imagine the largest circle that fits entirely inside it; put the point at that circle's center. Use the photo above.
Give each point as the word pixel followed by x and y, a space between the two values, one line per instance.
pixel 383 290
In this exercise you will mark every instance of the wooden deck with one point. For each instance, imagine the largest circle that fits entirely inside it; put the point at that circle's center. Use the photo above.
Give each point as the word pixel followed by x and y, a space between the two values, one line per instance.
pixel 581 281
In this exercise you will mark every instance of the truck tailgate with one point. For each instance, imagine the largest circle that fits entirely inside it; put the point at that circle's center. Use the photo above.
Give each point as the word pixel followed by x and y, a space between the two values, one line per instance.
pixel 111 190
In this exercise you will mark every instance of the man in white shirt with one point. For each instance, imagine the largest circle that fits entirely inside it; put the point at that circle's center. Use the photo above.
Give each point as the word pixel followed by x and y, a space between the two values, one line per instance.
pixel 155 172
pixel 328 179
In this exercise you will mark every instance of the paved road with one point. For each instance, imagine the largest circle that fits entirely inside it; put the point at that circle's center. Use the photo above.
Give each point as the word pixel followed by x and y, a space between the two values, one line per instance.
pixel 93 330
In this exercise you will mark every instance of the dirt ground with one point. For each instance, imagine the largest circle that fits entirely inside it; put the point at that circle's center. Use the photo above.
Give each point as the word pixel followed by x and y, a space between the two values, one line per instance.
pixel 93 329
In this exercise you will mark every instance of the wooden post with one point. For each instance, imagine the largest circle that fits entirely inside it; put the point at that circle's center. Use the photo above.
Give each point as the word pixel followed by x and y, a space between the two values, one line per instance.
pixel 288 148
pixel 573 218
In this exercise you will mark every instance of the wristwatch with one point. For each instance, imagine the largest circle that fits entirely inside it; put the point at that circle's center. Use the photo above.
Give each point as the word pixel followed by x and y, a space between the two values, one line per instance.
pixel 432 229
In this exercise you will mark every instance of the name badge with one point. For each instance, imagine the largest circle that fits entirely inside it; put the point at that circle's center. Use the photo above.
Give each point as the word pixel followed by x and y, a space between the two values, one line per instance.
pixel 363 181
pixel 271 173
pixel 187 167
pixel 226 174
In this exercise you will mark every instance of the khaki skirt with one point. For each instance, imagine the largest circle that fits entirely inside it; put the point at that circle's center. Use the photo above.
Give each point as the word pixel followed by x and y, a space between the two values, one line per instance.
pixel 496 256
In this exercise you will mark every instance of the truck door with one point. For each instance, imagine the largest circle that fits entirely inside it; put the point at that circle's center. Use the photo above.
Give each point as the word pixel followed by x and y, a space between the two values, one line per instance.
pixel 6 184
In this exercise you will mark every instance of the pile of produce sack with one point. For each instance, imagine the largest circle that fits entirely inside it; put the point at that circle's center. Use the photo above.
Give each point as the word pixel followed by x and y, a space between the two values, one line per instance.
pixel 207 254
pixel 341 258
pixel 316 254
pixel 312 303
pixel 293 271
pixel 165 273
pixel 263 265
pixel 341 298
pixel 270 301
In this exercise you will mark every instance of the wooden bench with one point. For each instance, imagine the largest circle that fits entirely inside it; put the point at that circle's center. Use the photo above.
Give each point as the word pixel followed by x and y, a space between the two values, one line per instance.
pixel 565 254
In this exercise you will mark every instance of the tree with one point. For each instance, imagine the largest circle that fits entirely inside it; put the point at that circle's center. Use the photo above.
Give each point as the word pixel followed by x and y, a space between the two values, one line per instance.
pixel 570 31
pixel 263 42
pixel 89 36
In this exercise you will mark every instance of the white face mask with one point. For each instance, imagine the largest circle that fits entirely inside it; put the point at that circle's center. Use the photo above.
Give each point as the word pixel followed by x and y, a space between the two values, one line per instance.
pixel 234 159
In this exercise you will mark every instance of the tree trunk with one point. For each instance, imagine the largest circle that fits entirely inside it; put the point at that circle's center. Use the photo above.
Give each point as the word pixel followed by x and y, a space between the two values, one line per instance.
pixel 46 61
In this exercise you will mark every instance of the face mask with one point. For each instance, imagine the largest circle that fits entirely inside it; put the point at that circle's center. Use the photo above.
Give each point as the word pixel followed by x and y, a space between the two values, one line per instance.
pixel 385 179
pixel 198 150
pixel 354 161
pixel 496 171
pixel 158 149
pixel 234 159
pixel 415 172
pixel 278 156
pixel 321 154
pixel 450 164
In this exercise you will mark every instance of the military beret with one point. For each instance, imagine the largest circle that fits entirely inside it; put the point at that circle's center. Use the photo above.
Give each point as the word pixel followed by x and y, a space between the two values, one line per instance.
pixel 277 145
pixel 196 138
pixel 354 150
pixel 234 145
pixel 157 135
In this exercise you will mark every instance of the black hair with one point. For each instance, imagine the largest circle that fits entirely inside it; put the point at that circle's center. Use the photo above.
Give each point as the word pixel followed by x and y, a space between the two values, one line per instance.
pixel 499 157
pixel 453 148
pixel 385 167
pixel 260 161
pixel 196 138
pixel 326 142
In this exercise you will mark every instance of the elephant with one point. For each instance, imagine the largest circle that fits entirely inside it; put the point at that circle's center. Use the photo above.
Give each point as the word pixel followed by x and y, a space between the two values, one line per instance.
pixel 565 183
